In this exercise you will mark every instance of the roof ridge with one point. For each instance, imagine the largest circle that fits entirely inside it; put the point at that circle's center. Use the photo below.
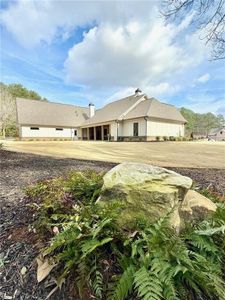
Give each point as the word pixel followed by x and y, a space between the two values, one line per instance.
pixel 150 104
pixel 123 98
pixel 139 100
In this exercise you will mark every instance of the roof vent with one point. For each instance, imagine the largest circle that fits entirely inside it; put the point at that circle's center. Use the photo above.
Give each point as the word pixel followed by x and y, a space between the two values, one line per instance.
pixel 138 92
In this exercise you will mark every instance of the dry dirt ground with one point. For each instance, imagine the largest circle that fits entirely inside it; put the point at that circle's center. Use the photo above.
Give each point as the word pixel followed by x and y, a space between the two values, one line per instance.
pixel 18 246
pixel 168 154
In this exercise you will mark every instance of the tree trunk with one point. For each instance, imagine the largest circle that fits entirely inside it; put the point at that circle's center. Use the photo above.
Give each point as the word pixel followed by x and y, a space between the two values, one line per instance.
pixel 3 132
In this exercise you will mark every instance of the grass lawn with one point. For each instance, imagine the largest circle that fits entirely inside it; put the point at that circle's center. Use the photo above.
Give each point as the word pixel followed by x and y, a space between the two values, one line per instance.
pixel 202 154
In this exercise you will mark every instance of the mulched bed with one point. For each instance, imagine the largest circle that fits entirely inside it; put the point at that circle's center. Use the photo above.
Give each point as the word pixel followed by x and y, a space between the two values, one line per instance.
pixel 18 246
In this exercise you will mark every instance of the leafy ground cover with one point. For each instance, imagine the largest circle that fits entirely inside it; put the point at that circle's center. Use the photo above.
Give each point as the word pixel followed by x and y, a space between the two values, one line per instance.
pixel 114 259
pixel 103 261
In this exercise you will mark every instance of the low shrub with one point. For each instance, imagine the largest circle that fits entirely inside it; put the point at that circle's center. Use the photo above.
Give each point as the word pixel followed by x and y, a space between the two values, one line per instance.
pixel 157 138
pixel 57 196
pixel 1 146
pixel 165 138
pixel 151 261
pixel 12 130
pixel 172 138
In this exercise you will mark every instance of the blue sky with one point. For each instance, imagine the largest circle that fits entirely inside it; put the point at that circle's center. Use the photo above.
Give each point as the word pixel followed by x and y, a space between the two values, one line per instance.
pixel 77 52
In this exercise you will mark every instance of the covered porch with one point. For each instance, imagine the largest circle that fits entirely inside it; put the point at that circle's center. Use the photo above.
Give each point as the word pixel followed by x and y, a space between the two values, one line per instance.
pixel 96 133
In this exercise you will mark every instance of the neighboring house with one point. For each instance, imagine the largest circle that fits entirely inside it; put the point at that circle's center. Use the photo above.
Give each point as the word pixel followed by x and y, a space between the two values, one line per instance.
pixel 134 118
pixel 217 134
pixel 42 119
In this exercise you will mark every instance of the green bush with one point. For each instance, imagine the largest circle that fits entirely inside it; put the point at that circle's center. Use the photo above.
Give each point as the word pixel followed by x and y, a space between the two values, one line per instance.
pixel 11 130
pixel 151 261
pixel 165 138
pixel 172 138
pixel 1 146
pixel 157 138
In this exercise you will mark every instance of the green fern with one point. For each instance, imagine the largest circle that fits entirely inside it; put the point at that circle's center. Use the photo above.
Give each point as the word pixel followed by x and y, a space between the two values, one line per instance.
pixel 97 284
pixel 124 284
pixel 148 285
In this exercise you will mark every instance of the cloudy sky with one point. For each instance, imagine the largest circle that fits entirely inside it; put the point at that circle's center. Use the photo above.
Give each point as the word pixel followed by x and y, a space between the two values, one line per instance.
pixel 77 52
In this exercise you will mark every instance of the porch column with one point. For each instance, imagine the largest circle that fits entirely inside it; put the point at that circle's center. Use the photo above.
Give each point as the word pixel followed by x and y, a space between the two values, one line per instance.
pixel 94 133
pixel 88 133
pixel 102 131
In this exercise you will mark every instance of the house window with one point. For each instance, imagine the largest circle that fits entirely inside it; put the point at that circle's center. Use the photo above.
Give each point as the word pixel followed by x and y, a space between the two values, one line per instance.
pixel 135 129
pixel 59 129
pixel 75 132
pixel 34 128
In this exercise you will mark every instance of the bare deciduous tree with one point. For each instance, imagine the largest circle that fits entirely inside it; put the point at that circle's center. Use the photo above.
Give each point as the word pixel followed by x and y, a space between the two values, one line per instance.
pixel 7 109
pixel 208 16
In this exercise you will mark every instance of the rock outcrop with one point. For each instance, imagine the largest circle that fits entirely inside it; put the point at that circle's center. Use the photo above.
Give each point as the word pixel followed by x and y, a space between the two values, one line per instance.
pixel 196 207
pixel 146 191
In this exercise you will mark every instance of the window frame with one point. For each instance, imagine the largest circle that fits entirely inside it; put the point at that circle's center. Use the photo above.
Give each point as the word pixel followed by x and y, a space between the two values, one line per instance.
pixel 34 128
pixel 135 129
pixel 58 129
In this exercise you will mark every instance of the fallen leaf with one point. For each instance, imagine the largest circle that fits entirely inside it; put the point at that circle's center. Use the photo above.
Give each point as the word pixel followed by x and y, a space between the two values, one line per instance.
pixel 44 268
pixel 23 270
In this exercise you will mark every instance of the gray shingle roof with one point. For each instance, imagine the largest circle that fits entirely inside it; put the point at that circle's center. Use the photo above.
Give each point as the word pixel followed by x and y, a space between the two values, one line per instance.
pixel 113 110
pixel 147 107
pixel 34 112
pixel 164 111
pixel 214 131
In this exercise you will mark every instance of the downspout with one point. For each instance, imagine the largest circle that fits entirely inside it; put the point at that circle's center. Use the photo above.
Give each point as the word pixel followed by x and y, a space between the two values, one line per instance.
pixel 117 130
pixel 146 130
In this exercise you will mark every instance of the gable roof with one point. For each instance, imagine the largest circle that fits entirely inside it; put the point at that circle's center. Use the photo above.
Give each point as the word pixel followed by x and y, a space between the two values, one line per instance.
pixel 35 112
pixel 214 131
pixel 112 111
pixel 135 106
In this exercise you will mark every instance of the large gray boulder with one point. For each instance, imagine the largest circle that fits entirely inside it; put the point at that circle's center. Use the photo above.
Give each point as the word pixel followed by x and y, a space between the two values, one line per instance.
pixel 196 207
pixel 145 191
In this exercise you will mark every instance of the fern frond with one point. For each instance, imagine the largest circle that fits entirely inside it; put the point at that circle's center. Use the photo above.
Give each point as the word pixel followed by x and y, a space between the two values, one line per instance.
pixel 211 231
pixel 97 284
pixel 90 245
pixel 124 284
pixel 148 285
pixel 82 278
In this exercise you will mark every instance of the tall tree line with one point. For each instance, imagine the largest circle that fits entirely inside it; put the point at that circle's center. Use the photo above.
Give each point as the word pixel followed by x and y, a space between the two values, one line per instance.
pixel 8 94
pixel 201 124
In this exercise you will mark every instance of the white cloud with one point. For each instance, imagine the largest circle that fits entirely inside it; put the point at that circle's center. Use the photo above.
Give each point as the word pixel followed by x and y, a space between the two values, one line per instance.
pixel 204 78
pixel 203 103
pixel 132 54
pixel 32 21
pixel 126 46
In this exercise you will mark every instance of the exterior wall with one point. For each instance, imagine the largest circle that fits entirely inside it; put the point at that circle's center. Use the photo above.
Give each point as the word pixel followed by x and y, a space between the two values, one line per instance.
pixel 47 132
pixel 159 128
pixel 113 130
pixel 128 129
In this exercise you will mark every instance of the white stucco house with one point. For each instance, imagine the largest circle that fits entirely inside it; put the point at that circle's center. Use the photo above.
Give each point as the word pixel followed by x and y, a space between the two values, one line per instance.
pixel 134 118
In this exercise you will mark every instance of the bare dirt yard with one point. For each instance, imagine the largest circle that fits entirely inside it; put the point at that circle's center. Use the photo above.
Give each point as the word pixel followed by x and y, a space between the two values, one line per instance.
pixel 19 246
pixel 168 154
